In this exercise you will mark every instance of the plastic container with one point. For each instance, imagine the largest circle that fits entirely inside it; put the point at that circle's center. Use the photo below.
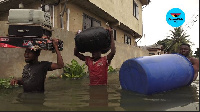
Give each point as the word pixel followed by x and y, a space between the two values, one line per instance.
pixel 27 16
pixel 93 39
pixel 154 74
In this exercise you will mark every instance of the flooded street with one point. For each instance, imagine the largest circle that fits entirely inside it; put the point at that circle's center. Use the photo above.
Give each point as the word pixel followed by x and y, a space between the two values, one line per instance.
pixel 77 95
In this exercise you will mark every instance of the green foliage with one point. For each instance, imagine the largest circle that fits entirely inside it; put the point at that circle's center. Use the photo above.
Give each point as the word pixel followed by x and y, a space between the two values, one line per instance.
pixel 53 76
pixel 5 83
pixel 111 69
pixel 176 38
pixel 74 70
pixel 165 43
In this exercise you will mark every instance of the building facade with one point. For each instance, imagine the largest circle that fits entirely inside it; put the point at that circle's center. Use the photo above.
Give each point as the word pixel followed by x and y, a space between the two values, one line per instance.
pixel 69 16
pixel 124 16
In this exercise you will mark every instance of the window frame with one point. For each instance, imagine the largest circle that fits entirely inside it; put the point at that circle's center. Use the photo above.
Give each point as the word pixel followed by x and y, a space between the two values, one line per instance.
pixel 92 20
pixel 115 34
pixel 135 10
pixel 126 39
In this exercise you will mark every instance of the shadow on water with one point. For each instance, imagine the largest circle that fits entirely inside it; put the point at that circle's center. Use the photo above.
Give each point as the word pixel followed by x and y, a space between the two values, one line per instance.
pixel 77 95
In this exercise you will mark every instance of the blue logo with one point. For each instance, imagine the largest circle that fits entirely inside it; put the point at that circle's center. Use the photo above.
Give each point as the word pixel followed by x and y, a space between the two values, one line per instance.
pixel 175 17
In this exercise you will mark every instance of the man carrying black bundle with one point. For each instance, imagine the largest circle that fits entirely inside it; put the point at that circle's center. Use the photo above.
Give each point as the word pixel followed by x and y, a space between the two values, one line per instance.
pixel 34 72
pixel 97 65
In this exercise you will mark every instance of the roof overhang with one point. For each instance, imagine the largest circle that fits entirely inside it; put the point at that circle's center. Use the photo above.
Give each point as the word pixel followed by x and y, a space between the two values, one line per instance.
pixel 86 4
pixel 130 31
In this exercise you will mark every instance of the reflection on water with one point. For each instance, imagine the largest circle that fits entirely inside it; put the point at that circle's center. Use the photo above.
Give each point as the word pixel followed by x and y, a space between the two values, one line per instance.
pixel 32 101
pixel 31 98
pixel 97 99
pixel 163 101
pixel 77 95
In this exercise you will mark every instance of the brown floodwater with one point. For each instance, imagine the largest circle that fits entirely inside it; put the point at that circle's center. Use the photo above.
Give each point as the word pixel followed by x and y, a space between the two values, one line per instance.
pixel 77 95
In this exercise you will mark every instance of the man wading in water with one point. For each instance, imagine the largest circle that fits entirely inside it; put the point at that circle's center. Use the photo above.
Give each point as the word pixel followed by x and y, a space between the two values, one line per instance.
pixel 34 72
pixel 97 65
pixel 185 51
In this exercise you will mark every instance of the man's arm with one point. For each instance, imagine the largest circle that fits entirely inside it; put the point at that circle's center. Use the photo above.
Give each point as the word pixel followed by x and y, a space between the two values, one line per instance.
pixel 113 48
pixel 60 63
pixel 79 55
pixel 16 81
pixel 195 63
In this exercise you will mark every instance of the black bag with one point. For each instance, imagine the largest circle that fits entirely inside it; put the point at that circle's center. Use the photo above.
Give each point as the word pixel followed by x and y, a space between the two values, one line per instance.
pixel 28 31
pixel 93 39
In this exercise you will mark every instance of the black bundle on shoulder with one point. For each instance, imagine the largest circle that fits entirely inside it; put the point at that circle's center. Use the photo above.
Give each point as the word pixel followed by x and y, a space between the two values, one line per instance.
pixel 93 39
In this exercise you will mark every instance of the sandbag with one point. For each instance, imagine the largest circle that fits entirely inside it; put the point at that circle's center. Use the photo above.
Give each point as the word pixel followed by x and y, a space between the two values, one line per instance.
pixel 93 39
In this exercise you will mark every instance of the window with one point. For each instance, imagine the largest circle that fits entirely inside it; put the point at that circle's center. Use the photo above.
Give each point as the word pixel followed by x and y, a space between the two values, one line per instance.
pixel 90 22
pixel 127 39
pixel 135 10
pixel 114 34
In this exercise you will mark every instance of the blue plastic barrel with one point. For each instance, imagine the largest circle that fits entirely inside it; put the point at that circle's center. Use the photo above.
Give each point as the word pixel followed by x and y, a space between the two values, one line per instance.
pixel 154 74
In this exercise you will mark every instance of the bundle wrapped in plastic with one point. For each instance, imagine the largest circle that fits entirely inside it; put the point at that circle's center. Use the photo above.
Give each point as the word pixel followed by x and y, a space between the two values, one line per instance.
pixel 93 39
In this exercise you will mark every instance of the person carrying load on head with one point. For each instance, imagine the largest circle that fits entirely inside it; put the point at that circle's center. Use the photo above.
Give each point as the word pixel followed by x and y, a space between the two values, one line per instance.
pixel 97 65
pixel 34 72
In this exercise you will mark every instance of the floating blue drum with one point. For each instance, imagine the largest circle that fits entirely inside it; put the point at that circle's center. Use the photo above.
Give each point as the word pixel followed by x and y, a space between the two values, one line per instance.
pixel 154 74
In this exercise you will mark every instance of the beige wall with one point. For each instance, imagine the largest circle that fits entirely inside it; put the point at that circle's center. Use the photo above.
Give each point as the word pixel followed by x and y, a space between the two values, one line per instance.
pixel 75 17
pixel 123 14
pixel 156 52
pixel 120 35
pixel 76 21
pixel 124 52
pixel 12 60
pixel 35 5
pixel 122 10
pixel 4 16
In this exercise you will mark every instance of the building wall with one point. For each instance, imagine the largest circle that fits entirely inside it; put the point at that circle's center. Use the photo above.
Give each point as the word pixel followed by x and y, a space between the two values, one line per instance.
pixel 35 5
pixel 76 21
pixel 155 51
pixel 4 16
pixel 12 59
pixel 122 10
pixel 123 14
pixel 120 35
